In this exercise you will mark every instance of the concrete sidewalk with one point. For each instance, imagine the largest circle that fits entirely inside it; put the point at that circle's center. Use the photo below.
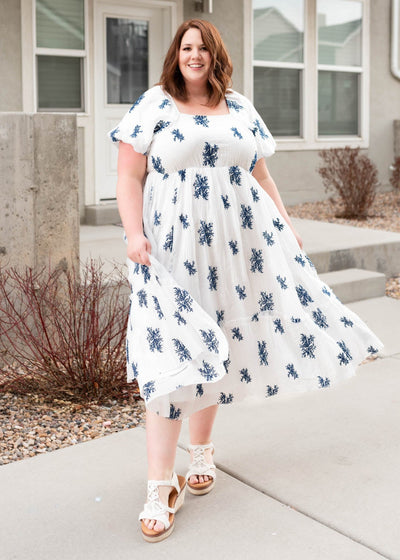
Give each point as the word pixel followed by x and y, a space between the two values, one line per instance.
pixel 311 477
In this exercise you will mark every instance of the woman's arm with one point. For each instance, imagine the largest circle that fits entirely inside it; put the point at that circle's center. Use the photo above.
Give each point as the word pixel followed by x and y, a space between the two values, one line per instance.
pixel 263 176
pixel 131 172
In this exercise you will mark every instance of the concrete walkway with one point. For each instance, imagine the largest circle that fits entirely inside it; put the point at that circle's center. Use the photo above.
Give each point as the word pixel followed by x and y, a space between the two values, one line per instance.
pixel 313 477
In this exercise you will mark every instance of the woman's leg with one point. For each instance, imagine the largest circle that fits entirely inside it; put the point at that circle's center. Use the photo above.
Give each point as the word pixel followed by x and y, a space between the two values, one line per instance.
pixel 200 428
pixel 162 438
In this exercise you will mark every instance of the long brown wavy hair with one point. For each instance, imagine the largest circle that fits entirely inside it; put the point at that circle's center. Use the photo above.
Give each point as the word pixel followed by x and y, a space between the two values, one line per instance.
pixel 219 77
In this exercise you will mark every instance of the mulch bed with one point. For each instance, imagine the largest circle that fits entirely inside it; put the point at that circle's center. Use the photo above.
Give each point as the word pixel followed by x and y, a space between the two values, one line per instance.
pixel 34 424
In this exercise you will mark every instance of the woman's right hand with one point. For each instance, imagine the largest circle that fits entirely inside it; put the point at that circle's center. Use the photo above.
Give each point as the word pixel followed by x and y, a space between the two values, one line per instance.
pixel 139 248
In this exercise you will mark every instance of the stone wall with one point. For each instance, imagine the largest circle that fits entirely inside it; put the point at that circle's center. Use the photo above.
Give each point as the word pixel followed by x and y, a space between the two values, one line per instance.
pixel 39 223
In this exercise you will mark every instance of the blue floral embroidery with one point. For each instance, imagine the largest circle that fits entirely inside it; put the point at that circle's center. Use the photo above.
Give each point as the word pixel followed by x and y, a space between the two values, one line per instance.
pixel 320 319
pixel 113 134
pixel 212 277
pixel 148 389
pixel 323 382
pixel 182 174
pixel 326 291
pixel 303 295
pixel 234 105
pixel 344 357
pixel 262 352
pixel 255 317
pixel 154 339
pixel 177 134
pixel 183 299
pixel 291 371
pixel 309 261
pixel 179 318
pixel 225 399
pixel 295 319
pixel 201 186
pixel 137 130
pixel 158 307
pixel 254 194
pixel 206 233
pixel 136 103
pixel 260 129
pixel 174 413
pixel 278 326
pixel 269 238
pixel 157 216
pixel 266 302
pixel 169 240
pixel 236 133
pixel 164 104
pixel 181 350
pixel 227 363
pixel 135 370
pixel 184 220
pixel 159 167
pixel 282 282
pixel 210 340
pixel 247 216
pixel 236 334
pixel 208 371
pixel 199 390
pixel 220 316
pixel 307 346
pixel 210 154
pixel 142 296
pixel 253 163
pixel 299 259
pixel 372 350
pixel 245 376
pixel 201 120
pixel 256 261
pixel 278 224
pixel 190 267
pixel 347 322
pixel 271 391
pixel 225 201
pixel 234 246
pixel 160 126
pixel 241 290
pixel 235 175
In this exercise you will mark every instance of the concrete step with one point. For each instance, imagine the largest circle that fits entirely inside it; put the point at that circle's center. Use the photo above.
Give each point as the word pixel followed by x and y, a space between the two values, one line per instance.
pixel 354 284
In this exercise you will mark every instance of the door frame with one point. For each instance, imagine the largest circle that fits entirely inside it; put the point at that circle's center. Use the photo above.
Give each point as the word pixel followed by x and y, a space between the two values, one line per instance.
pixel 113 8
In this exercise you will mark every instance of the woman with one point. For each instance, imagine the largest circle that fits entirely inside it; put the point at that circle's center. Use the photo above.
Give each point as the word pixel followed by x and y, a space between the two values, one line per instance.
pixel 224 304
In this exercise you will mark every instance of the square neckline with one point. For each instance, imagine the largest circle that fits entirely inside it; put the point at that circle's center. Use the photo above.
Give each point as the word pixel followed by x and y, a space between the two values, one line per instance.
pixel 229 113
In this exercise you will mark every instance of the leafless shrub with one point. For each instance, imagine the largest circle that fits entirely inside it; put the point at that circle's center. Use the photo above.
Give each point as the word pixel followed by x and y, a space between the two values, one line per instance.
pixel 352 176
pixel 63 333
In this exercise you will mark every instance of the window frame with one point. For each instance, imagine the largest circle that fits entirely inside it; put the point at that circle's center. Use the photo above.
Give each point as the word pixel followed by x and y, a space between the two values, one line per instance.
pixel 309 139
pixel 71 53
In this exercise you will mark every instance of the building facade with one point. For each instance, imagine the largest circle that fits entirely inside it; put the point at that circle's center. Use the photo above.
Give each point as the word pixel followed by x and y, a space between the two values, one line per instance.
pixel 322 73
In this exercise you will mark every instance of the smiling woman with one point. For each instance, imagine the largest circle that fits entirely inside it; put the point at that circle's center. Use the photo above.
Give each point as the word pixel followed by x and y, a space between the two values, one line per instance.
pixel 225 304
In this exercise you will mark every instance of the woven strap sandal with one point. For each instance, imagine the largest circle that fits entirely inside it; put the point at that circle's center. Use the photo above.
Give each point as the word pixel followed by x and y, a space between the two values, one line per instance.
pixel 199 467
pixel 155 509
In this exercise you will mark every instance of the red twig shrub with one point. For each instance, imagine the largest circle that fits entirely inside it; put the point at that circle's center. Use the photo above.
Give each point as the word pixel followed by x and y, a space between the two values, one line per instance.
pixel 395 176
pixel 352 176
pixel 63 333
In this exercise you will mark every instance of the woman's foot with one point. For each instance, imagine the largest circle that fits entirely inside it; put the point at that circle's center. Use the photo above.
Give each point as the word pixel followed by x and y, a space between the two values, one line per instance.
pixel 163 492
pixel 208 456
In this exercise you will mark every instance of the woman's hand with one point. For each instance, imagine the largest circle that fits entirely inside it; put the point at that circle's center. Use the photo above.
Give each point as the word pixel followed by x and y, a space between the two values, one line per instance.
pixel 139 248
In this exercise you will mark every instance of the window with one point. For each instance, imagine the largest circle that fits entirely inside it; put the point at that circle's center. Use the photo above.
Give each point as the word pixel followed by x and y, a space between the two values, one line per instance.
pixel 60 55
pixel 309 70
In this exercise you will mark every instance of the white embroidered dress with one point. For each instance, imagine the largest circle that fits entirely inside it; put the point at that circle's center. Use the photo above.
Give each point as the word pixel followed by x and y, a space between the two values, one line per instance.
pixel 230 306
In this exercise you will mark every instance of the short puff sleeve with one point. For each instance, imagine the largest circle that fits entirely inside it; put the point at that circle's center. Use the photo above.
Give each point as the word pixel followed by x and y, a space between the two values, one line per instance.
pixel 137 126
pixel 265 142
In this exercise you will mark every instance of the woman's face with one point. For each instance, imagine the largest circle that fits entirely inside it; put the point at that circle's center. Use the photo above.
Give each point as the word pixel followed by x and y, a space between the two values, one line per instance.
pixel 194 58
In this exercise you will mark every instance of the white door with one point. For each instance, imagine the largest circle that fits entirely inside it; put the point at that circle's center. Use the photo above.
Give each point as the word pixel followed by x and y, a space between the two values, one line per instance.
pixel 130 42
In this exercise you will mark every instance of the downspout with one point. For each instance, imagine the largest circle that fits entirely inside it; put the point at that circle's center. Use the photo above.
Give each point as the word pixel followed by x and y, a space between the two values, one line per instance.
pixel 394 55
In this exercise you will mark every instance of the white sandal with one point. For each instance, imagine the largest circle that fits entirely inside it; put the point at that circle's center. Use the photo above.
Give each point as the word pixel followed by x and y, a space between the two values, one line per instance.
pixel 155 509
pixel 199 467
